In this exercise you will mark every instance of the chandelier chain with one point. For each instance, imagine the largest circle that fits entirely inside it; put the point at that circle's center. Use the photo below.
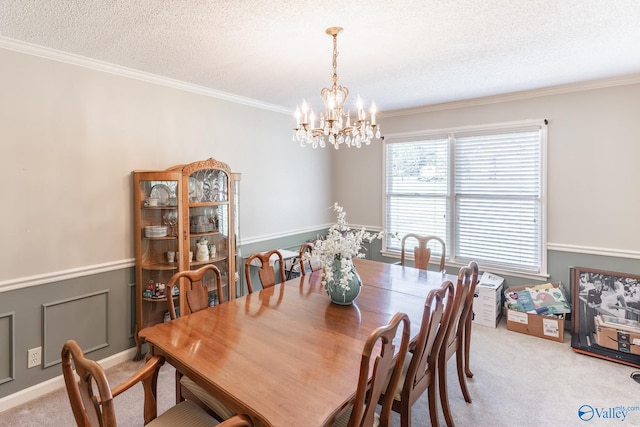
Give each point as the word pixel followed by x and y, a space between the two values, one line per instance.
pixel 335 60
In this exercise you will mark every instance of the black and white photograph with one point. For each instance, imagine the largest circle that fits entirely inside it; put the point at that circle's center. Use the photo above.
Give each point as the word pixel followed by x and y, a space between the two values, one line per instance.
pixel 605 303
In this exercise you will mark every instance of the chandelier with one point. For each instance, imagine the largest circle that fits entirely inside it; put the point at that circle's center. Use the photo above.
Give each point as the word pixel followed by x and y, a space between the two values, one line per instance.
pixel 335 125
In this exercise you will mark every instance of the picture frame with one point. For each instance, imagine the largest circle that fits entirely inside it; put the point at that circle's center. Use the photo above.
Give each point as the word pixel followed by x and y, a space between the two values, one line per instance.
pixel 605 314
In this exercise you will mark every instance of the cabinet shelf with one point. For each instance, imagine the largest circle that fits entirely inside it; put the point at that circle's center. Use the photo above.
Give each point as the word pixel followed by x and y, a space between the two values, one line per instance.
pixel 206 204
pixel 156 208
pixel 206 233
pixel 160 238
pixel 163 299
pixel 209 261
pixel 165 266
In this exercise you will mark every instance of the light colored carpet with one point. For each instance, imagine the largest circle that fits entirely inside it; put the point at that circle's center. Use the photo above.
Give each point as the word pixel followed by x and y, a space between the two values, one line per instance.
pixel 519 381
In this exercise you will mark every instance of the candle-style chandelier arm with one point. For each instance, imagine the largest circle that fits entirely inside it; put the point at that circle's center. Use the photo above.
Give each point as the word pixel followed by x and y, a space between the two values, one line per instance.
pixel 335 124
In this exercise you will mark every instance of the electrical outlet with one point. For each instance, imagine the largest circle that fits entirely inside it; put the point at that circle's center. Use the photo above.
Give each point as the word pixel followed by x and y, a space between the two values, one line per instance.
pixel 34 357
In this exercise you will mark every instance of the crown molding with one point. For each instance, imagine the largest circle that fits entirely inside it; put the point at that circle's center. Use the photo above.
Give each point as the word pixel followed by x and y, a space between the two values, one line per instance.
pixel 515 96
pixel 81 61
pixel 105 67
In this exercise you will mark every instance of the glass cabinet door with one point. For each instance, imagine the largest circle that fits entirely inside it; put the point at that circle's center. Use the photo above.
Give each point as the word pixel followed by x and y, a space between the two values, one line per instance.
pixel 236 227
pixel 157 244
pixel 160 246
pixel 208 225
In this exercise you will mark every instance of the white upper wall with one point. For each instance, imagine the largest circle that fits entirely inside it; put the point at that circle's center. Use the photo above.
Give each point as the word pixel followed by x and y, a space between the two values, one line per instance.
pixel 71 136
pixel 593 163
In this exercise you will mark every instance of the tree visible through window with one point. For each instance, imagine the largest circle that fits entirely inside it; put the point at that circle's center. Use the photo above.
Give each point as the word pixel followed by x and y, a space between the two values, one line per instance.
pixel 481 191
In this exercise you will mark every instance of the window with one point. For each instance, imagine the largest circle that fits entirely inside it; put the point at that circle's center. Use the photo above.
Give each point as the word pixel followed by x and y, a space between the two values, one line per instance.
pixel 480 190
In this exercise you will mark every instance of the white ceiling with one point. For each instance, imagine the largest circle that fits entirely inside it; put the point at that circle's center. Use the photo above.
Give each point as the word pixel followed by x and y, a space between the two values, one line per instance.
pixel 400 53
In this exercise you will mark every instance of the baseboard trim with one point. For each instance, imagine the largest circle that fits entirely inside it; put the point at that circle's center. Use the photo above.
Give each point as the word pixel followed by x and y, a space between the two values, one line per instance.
pixel 53 384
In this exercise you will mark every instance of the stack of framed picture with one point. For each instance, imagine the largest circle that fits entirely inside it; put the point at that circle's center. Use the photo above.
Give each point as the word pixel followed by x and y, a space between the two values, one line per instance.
pixel 606 315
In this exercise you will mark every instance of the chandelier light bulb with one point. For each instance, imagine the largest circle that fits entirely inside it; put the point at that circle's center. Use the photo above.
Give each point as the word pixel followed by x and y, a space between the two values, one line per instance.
pixel 334 123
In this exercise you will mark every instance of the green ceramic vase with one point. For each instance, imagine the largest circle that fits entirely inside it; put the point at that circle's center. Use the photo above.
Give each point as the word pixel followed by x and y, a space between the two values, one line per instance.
pixel 338 294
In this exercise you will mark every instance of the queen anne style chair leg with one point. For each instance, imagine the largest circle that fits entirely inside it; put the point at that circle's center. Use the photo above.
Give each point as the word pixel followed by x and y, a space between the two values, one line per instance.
pixel 467 344
pixel 473 267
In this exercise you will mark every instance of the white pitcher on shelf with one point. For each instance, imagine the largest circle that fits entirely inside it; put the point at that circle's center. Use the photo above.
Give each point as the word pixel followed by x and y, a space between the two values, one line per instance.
pixel 202 250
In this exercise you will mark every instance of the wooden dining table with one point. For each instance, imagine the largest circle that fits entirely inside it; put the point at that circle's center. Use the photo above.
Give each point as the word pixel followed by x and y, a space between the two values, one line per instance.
pixel 286 355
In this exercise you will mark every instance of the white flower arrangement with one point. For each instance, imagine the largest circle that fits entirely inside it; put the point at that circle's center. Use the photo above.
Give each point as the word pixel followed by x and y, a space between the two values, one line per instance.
pixel 341 244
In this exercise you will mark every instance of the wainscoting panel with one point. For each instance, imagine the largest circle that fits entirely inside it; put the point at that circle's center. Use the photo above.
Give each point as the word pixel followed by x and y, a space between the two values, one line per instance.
pixel 7 343
pixel 84 318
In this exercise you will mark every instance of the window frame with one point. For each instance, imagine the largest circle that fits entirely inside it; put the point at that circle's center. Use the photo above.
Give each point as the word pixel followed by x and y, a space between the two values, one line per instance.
pixel 451 134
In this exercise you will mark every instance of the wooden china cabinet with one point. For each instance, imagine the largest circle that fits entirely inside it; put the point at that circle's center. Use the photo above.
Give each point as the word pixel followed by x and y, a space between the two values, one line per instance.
pixel 184 218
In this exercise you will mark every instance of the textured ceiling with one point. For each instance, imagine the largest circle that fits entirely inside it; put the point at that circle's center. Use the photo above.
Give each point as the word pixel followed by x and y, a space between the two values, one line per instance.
pixel 400 53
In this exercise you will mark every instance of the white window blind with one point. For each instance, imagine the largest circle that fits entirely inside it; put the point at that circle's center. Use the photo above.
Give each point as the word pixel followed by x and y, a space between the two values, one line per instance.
pixel 417 189
pixel 480 191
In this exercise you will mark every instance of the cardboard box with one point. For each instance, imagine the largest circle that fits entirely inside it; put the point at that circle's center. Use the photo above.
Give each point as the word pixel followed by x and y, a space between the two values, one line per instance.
pixel 615 339
pixel 548 327
pixel 487 300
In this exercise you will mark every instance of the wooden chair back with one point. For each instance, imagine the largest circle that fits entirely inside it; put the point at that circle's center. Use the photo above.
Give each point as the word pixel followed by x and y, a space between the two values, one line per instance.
pixel 304 248
pixel 421 372
pixel 194 290
pixel 95 407
pixel 368 392
pixel 266 273
pixel 421 253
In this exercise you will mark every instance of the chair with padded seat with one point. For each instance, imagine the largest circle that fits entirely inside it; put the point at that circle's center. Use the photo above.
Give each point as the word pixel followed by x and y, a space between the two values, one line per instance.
pixel 266 273
pixel 420 371
pixel 92 398
pixel 362 411
pixel 197 298
pixel 421 253
pixel 196 292
pixel 453 343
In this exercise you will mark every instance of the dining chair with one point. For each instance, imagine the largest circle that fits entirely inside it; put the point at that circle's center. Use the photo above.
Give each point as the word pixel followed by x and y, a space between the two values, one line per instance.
pixel 266 273
pixel 421 253
pixel 195 292
pixel 453 343
pixel 362 411
pixel 92 398
pixel 307 247
pixel 419 371
pixel 197 297
pixel 468 321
